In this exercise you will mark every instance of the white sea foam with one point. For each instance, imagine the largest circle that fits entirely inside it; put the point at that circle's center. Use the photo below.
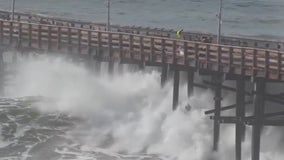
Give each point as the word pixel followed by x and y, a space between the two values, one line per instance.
pixel 126 114
pixel 2 143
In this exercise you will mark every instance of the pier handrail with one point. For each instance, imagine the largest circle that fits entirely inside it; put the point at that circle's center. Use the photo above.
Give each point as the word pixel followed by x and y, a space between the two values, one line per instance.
pixel 245 61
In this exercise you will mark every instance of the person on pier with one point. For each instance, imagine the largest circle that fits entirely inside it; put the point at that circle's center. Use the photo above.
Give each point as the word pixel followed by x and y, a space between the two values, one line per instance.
pixel 179 34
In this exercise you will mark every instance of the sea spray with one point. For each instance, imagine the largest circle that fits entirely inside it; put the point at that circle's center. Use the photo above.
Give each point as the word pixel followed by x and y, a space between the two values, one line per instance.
pixel 126 113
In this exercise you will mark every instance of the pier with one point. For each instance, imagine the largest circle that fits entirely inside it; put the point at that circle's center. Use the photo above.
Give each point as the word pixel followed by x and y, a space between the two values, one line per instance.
pixel 238 59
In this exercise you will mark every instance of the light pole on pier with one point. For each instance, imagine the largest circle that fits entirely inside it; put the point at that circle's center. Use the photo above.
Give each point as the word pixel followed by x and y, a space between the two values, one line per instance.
pixel 217 79
pixel 219 22
pixel 13 9
pixel 108 15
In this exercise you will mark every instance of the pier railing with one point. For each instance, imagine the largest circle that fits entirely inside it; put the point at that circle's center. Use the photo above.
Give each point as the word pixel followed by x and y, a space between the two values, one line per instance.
pixel 147 50
pixel 161 32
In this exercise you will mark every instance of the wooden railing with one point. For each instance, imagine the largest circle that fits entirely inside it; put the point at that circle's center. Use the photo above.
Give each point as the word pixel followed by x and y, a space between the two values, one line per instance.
pixel 192 36
pixel 147 49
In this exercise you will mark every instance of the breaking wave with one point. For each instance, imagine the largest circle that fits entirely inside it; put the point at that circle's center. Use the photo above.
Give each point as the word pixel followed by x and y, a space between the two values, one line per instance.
pixel 58 109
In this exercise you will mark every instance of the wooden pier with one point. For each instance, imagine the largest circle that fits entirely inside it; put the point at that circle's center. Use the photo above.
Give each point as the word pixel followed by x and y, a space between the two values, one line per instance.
pixel 239 59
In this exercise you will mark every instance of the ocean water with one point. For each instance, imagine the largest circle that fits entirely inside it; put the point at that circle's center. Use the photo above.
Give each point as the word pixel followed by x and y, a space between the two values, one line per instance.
pixel 240 17
pixel 57 109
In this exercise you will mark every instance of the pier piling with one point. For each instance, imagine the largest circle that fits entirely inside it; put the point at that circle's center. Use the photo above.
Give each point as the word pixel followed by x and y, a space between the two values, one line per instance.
pixel 176 88
pixel 164 75
pixel 110 55
pixel 259 97
pixel 217 80
pixel 240 114
pixel 190 82
pixel 2 78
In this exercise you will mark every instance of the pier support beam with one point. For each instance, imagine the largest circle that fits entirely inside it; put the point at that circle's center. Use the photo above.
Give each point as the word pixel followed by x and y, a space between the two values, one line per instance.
pixel 240 114
pixel 110 54
pixel 97 60
pixel 259 88
pixel 176 88
pixel 2 78
pixel 89 63
pixel 99 53
pixel 190 82
pixel 217 80
pixel 164 75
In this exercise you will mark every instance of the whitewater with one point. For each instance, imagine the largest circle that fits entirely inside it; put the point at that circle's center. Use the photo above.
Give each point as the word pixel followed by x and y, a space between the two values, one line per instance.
pixel 56 109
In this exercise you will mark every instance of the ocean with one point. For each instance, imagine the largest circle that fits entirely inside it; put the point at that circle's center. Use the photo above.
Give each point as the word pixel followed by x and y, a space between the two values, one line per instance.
pixel 240 17
pixel 56 109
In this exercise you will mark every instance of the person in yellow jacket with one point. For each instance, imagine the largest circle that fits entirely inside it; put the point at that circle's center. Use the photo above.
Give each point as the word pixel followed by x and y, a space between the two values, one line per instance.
pixel 179 34
pixel 180 49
